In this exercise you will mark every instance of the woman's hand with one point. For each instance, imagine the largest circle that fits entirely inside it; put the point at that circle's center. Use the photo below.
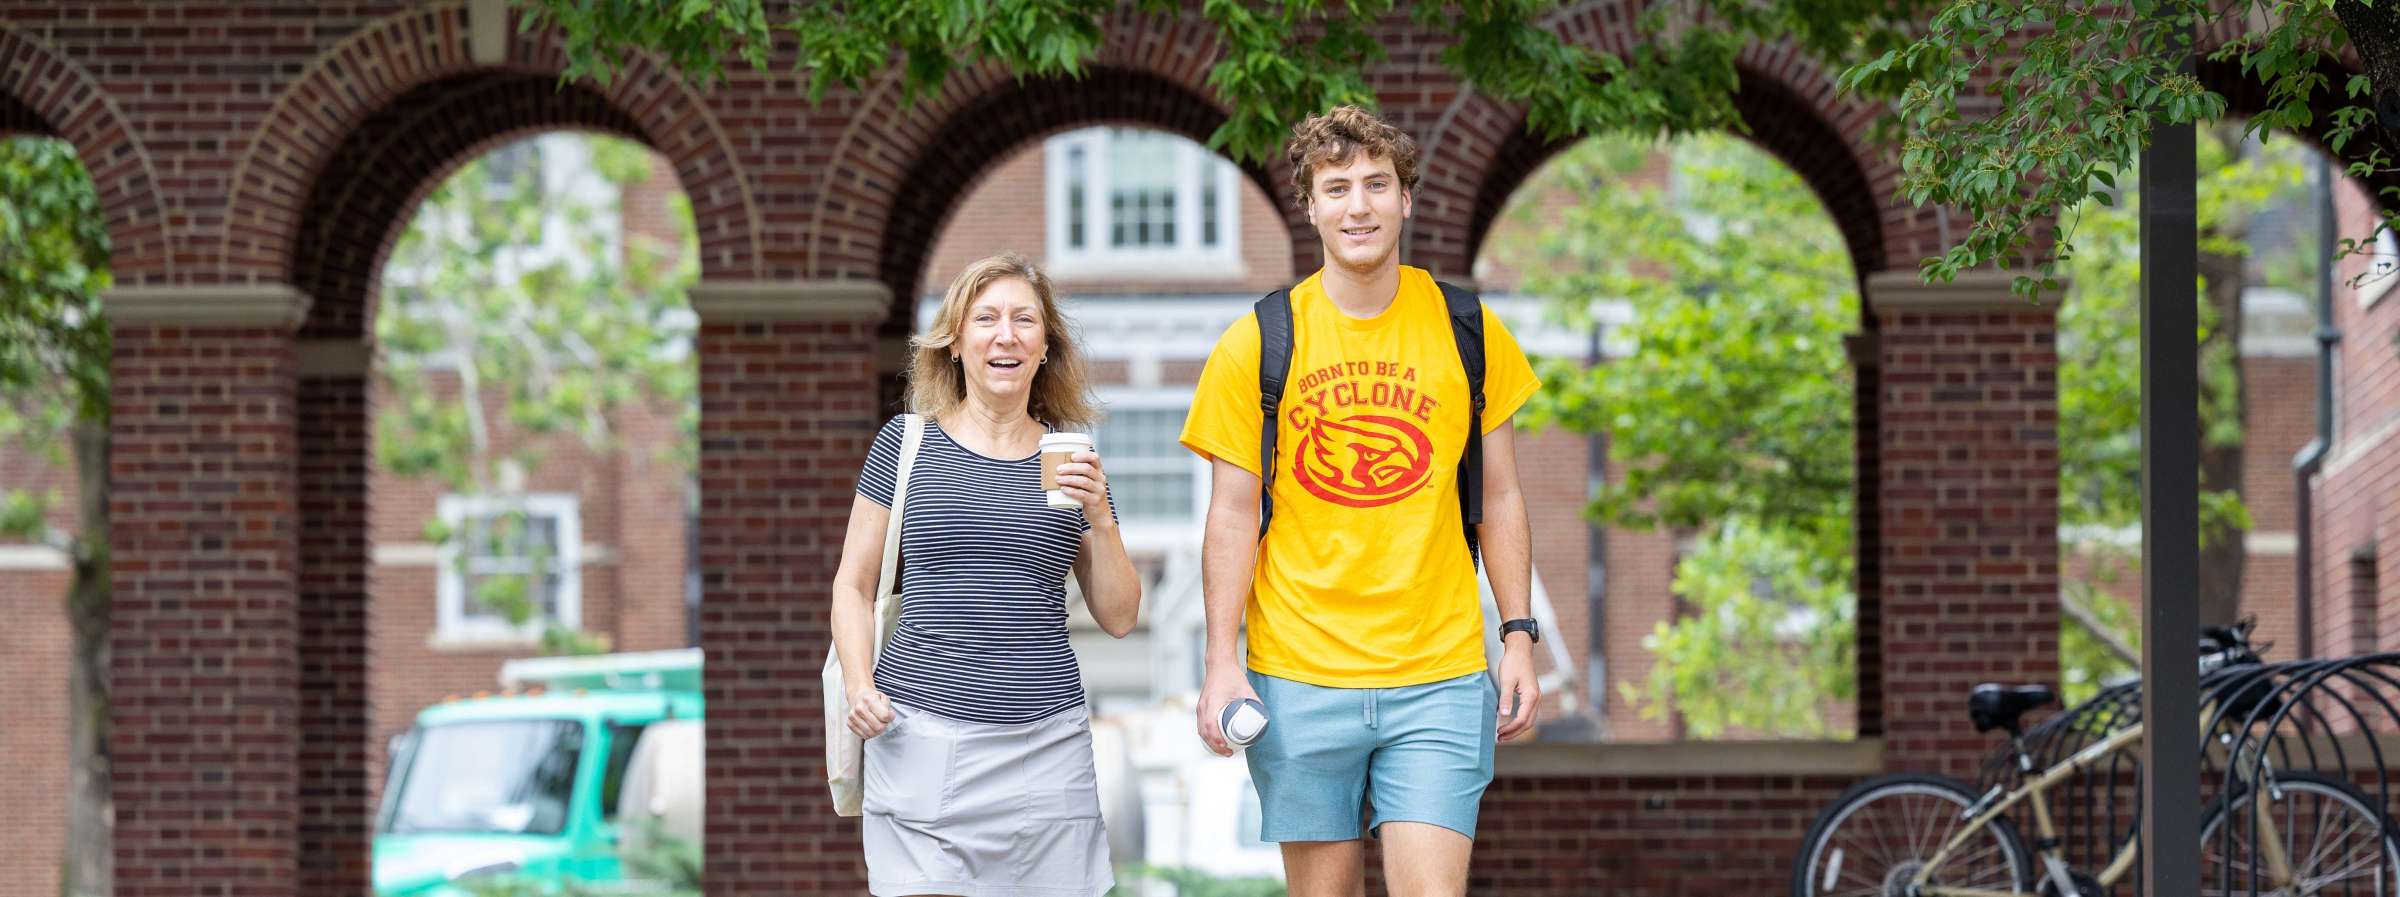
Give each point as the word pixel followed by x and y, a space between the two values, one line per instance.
pixel 1082 480
pixel 870 711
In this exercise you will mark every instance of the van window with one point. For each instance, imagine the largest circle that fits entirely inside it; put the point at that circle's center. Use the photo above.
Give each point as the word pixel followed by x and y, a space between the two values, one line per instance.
pixel 620 754
pixel 510 777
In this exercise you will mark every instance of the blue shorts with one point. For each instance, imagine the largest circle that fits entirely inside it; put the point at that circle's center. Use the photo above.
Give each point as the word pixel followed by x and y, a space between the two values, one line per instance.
pixel 1333 756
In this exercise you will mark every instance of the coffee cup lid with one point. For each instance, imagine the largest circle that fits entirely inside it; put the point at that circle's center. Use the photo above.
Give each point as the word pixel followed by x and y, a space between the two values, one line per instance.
pixel 1242 720
pixel 1063 438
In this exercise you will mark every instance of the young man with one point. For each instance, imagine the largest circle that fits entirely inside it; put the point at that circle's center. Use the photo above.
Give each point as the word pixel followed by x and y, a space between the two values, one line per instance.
pixel 1365 628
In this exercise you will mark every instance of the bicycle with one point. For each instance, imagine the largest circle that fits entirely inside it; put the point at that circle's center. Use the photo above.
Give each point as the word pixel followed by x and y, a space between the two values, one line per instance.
pixel 1919 835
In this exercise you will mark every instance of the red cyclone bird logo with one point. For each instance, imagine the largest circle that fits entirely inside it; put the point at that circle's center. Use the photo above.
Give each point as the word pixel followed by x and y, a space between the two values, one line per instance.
pixel 1365 461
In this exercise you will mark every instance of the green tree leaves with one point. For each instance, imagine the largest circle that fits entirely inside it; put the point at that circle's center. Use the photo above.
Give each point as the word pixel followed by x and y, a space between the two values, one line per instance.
pixel 1727 403
pixel 2073 86
pixel 1281 61
pixel 2076 88
pixel 54 343
pixel 54 406
pixel 515 308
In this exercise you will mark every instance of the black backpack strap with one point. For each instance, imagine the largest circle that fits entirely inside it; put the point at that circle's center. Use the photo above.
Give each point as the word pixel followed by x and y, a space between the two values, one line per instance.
pixel 1466 327
pixel 1274 311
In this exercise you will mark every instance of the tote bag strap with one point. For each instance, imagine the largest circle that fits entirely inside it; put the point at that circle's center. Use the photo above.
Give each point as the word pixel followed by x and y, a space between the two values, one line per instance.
pixel 887 583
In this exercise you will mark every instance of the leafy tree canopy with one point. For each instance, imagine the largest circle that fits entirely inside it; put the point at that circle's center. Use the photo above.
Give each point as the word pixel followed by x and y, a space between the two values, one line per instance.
pixel 2079 83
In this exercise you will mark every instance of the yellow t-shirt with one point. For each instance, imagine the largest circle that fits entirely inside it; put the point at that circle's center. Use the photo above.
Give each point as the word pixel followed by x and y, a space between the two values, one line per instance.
pixel 1363 580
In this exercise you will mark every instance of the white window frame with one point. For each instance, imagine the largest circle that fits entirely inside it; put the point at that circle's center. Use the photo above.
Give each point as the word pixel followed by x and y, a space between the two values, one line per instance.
pixel 452 622
pixel 1186 259
pixel 1114 400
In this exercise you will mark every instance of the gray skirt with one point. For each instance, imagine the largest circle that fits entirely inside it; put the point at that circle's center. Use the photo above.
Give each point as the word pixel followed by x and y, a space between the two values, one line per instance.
pixel 979 810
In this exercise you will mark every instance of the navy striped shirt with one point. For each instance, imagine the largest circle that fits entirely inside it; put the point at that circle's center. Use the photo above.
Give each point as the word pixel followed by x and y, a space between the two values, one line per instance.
pixel 983 567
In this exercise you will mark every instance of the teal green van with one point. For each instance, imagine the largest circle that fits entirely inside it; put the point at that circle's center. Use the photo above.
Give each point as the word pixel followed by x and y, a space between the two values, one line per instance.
pixel 556 778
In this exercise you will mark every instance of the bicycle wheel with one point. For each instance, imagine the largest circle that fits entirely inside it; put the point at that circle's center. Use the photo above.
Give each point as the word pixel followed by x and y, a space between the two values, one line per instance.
pixel 1874 840
pixel 2338 843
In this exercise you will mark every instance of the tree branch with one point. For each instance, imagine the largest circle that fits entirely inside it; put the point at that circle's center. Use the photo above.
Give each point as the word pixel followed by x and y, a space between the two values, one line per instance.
pixel 2083 616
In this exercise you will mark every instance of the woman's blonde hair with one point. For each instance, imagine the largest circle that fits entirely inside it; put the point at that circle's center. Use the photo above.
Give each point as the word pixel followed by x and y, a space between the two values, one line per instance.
pixel 1062 390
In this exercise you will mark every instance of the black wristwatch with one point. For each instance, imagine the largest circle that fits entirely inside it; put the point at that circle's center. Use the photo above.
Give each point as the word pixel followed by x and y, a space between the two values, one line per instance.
pixel 1527 626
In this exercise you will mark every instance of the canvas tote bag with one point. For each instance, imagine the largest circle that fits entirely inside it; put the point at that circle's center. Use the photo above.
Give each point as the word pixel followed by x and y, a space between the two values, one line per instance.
pixel 845 752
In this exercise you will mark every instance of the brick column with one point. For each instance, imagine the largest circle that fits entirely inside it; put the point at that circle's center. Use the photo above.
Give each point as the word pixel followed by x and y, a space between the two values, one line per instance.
pixel 335 446
pixel 1967 409
pixel 205 664
pixel 788 403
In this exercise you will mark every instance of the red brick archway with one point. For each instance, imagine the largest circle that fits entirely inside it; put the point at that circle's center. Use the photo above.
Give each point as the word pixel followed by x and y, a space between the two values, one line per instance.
pixel 363 196
pixel 1482 151
pixel 884 136
pixel 49 95
pixel 254 164
pixel 949 162
pixel 1783 119
pixel 17 119
pixel 372 182
pixel 1924 454
pixel 1778 120
pixel 369 72
pixel 896 178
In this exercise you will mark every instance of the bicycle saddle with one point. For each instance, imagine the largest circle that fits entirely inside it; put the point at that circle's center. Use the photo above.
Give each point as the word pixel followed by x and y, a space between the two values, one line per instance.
pixel 1995 706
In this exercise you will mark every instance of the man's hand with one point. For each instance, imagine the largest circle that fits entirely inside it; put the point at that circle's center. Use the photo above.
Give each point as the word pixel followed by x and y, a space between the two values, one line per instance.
pixel 1520 693
pixel 1225 684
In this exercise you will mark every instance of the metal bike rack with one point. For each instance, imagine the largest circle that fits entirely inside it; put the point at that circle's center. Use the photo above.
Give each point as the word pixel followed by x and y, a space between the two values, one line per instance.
pixel 2337 718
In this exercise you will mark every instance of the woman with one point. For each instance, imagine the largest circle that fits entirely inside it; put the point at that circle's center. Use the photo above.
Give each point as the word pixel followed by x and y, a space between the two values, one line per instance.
pixel 979 776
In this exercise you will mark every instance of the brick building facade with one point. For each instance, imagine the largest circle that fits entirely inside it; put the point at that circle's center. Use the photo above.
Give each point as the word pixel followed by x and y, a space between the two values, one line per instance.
pixel 628 591
pixel 254 165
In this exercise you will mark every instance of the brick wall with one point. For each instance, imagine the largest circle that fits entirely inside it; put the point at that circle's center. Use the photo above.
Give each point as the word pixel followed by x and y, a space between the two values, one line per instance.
pixel 1969 511
pixel 205 693
pixel 787 409
pixel 338 768
pixel 2281 391
pixel 34 649
pixel 1645 836
pixel 1641 595
pixel 633 591
pixel 2354 549
pixel 2282 397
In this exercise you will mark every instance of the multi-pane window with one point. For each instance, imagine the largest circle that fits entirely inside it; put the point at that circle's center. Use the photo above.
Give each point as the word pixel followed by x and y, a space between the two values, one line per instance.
pixel 1131 201
pixel 506 556
pixel 1143 172
pixel 1151 477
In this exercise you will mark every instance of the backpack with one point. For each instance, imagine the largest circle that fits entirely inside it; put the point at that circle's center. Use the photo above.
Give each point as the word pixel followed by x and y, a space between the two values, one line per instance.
pixel 1274 312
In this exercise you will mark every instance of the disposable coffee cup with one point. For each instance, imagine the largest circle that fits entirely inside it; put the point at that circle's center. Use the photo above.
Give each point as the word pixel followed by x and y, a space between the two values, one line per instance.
pixel 1242 721
pixel 1057 449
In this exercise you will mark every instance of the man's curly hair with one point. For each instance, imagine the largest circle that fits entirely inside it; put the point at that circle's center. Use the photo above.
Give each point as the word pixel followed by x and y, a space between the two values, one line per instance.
pixel 1338 135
